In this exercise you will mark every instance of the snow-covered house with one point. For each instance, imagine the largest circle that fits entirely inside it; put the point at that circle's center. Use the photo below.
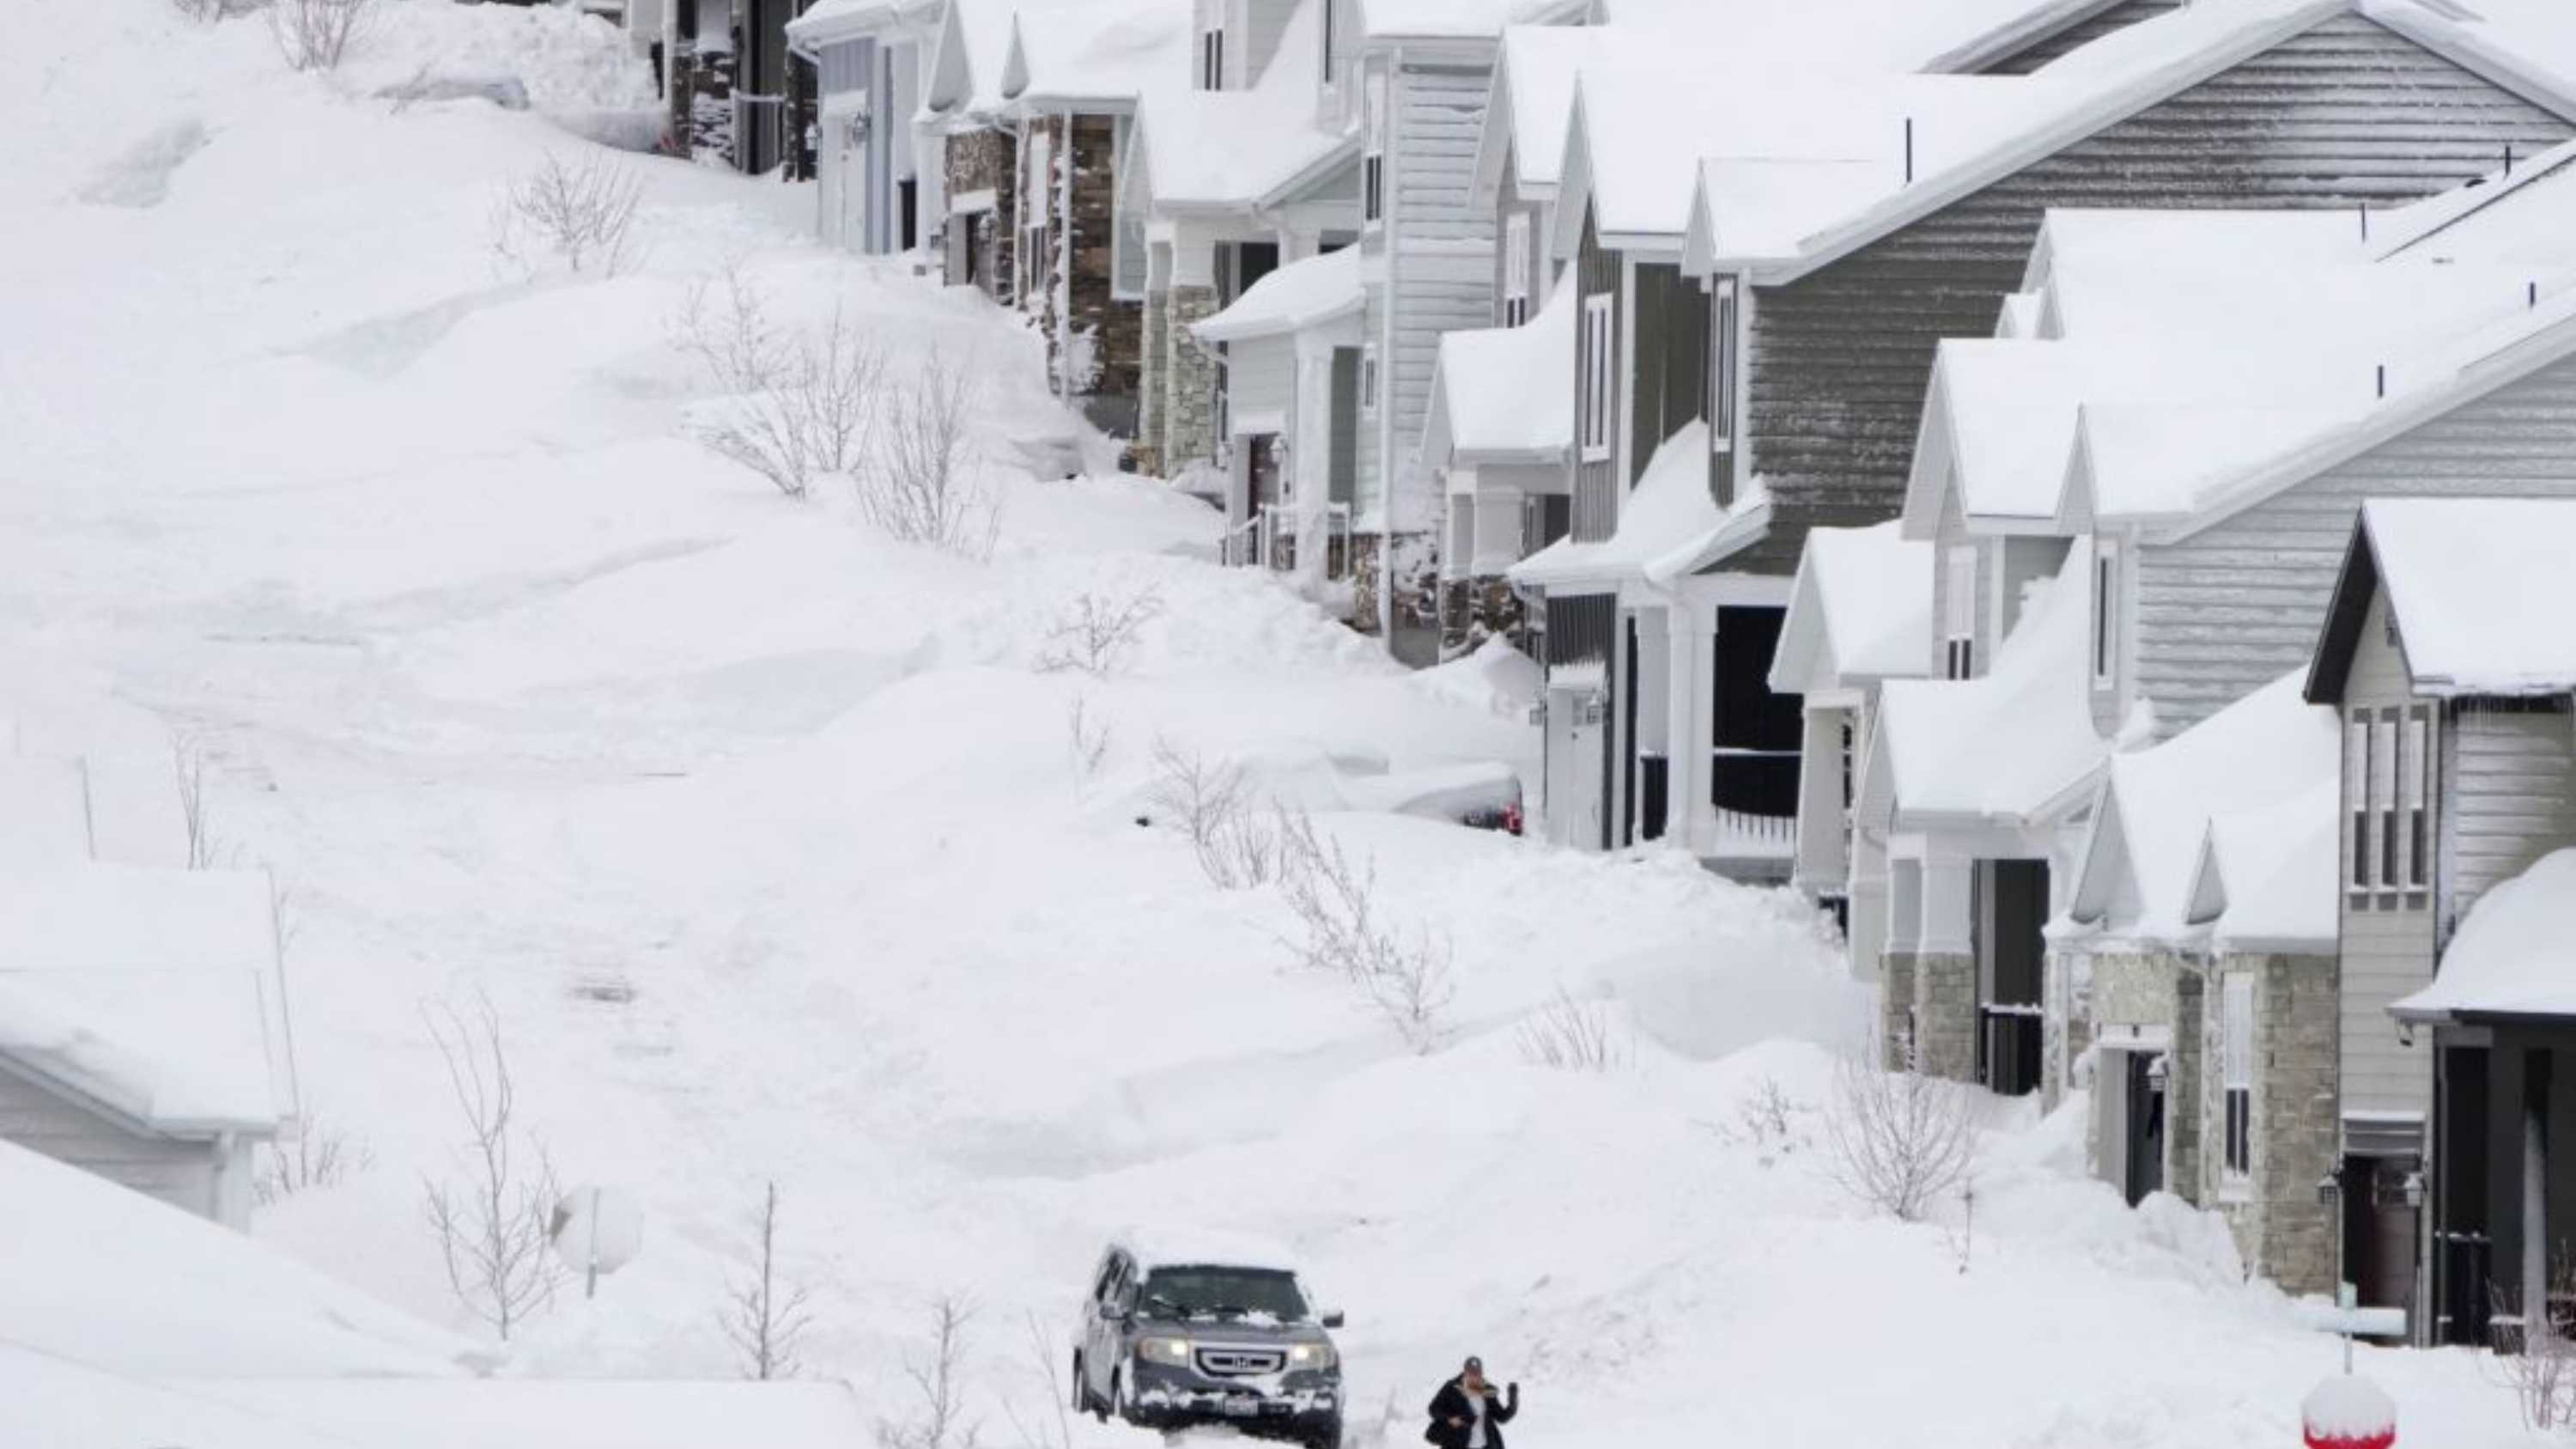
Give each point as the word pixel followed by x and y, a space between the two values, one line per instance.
pixel 2191 977
pixel 1246 170
pixel 740 95
pixel 1860 614
pixel 1500 436
pixel 1291 350
pixel 880 170
pixel 2445 653
pixel 1834 265
pixel 143 1028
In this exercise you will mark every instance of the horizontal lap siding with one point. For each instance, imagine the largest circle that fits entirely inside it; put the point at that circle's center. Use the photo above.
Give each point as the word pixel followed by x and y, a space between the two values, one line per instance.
pixel 1260 375
pixel 2343 114
pixel 2387 954
pixel 1264 21
pixel 1444 261
pixel 2228 610
pixel 2511 800
pixel 178 1173
pixel 2083 32
pixel 1596 485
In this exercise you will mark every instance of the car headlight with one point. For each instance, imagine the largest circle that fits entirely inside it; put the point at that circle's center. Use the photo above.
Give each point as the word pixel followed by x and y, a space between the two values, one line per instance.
pixel 1312 1356
pixel 1172 1351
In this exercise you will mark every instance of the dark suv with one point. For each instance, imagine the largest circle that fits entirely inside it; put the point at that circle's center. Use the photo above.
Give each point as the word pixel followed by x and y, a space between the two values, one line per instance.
pixel 1208 1334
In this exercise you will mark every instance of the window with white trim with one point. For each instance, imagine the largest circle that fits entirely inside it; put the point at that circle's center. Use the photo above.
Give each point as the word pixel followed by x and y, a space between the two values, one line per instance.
pixel 1721 365
pixel 1959 613
pixel 1211 33
pixel 1368 380
pixel 2356 800
pixel 1373 154
pixel 1593 404
pixel 1516 268
pixel 2414 797
pixel 2383 799
pixel 2106 613
pixel 1037 175
pixel 2236 1064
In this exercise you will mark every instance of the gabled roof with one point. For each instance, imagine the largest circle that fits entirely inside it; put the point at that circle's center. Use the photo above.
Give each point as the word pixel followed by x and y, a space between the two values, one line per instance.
pixel 1094 55
pixel 1305 293
pixel 2139 873
pixel 2005 746
pixel 2510 957
pixel 826 21
pixel 1498 394
pixel 968 58
pixel 152 994
pixel 1237 150
pixel 2266 877
pixel 1665 522
pixel 2482 590
pixel 1860 611
pixel 1532 100
pixel 1781 228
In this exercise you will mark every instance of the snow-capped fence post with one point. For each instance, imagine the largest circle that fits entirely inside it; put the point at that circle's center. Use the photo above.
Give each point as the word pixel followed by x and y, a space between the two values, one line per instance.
pixel 2344 1412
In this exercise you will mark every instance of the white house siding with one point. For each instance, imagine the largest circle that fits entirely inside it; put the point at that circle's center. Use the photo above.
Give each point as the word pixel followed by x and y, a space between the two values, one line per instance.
pixel 1264 21
pixel 2237 605
pixel 1260 376
pixel 43 1121
pixel 2512 798
pixel 2387 945
pixel 1950 535
pixel 1443 277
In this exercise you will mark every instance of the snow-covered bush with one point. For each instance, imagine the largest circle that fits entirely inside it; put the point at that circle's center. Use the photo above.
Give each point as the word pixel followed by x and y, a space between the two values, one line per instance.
pixel 2540 1367
pixel 793 410
pixel 1210 802
pixel 494 1223
pixel 937 1374
pixel 1097 633
pixel 580 213
pixel 920 487
pixel 1572 1035
pixel 315 1157
pixel 1899 1141
pixel 1405 975
pixel 215 9
pixel 1089 737
pixel 1054 1429
pixel 319 34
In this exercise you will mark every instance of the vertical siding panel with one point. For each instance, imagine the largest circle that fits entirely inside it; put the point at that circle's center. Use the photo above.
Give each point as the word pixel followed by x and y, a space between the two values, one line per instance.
pixel 1445 246
pixel 1596 490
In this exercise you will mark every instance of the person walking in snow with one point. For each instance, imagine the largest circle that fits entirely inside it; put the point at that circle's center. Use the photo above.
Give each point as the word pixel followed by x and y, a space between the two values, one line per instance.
pixel 1468 1414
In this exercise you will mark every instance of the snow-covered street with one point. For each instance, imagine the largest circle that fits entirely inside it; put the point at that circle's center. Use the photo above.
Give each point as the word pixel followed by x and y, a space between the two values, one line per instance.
pixel 783 859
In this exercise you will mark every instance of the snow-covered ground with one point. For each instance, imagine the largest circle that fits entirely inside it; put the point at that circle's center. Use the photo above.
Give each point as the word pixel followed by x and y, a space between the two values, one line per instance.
pixel 767 838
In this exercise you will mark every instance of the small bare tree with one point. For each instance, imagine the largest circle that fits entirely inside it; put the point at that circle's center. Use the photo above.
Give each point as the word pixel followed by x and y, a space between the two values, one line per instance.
pixel 188 770
pixel 1405 976
pixel 1411 987
pixel 581 213
pixel 2535 1357
pixel 1898 1141
pixel 938 1378
pixel 1089 736
pixel 1202 798
pixel 765 1318
pixel 794 410
pixel 315 1157
pixel 1572 1035
pixel 494 1227
pixel 1055 1429
pixel 318 34
pixel 1098 633
pixel 922 486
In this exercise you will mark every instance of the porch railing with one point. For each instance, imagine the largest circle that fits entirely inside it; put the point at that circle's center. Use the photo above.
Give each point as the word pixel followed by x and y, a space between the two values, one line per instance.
pixel 1269 539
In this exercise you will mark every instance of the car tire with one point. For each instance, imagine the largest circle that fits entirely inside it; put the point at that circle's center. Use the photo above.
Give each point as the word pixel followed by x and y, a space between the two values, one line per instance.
pixel 1082 1403
pixel 1117 1400
pixel 1327 1437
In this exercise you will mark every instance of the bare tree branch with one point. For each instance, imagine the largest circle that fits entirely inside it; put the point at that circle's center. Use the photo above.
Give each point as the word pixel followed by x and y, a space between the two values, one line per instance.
pixel 494 1228
pixel 765 1318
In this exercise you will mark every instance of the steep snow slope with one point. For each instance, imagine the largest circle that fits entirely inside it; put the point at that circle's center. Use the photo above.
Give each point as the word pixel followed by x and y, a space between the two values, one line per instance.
pixel 767 839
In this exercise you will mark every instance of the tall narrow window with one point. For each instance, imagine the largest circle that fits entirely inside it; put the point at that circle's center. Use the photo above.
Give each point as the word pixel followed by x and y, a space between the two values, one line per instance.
pixel 1368 380
pixel 1516 268
pixel 2106 612
pixel 2415 825
pixel 1959 613
pixel 2236 1028
pixel 1037 173
pixel 1373 156
pixel 1594 401
pixel 2356 799
pixel 2383 798
pixel 1721 365
pixel 1211 29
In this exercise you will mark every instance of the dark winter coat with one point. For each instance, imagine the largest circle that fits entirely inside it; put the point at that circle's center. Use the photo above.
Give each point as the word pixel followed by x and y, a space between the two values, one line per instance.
pixel 1451 1403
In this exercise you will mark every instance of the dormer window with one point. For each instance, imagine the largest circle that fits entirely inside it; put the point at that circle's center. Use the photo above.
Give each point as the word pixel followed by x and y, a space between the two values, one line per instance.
pixel 1959 613
pixel 1211 33
pixel 1721 365
pixel 1373 156
pixel 1516 268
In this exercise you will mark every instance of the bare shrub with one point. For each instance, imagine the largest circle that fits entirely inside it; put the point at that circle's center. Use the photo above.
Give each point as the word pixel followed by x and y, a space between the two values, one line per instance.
pixel 921 487
pixel 794 410
pixel 1898 1141
pixel 765 1318
pixel 1098 632
pixel 1405 975
pixel 1054 1430
pixel 315 1157
pixel 318 34
pixel 937 1373
pixel 1089 736
pixel 493 1226
pixel 581 213
pixel 1572 1035
pixel 213 10
pixel 1211 803
pixel 2535 1357
pixel 196 823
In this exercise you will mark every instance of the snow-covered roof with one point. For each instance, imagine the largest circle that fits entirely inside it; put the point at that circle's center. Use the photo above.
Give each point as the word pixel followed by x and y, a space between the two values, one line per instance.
pixel 1302 294
pixel 971 57
pixel 2266 880
pixel 1533 97
pixel 1236 149
pixel 99 1274
pixel 2142 859
pixel 2017 739
pixel 1078 54
pixel 1498 394
pixel 2483 590
pixel 2511 954
pixel 1190 1247
pixel 1860 610
pixel 1875 36
pixel 828 20
pixel 155 993
pixel 1666 523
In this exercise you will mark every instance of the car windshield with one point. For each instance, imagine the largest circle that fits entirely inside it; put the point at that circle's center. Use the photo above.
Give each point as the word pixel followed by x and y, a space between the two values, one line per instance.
pixel 1183 1293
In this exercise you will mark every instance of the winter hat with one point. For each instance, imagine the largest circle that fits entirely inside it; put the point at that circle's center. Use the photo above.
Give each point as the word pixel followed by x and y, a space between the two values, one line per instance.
pixel 1475 1365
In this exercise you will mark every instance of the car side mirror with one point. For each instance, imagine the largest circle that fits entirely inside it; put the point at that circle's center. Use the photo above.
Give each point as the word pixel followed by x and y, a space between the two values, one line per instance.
pixel 1113 1312
pixel 1332 1319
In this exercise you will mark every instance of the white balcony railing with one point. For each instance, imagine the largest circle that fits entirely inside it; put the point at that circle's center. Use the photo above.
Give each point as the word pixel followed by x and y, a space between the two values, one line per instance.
pixel 1268 539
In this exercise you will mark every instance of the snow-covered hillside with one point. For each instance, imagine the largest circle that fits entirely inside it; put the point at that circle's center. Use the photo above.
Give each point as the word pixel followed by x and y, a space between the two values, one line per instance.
pixel 769 840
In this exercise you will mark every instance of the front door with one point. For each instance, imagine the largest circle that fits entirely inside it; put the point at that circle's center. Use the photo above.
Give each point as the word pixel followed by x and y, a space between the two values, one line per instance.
pixel 2145 1145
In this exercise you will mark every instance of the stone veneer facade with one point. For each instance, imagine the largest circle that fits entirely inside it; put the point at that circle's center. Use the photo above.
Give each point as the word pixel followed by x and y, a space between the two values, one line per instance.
pixel 1188 400
pixel 1475 610
pixel 1896 1008
pixel 1945 1014
pixel 1106 334
pixel 1152 386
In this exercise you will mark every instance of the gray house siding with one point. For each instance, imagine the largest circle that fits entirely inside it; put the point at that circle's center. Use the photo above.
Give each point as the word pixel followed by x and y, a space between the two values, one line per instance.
pixel 2511 798
pixel 2344 114
pixel 1596 486
pixel 2117 16
pixel 843 67
pixel 2222 613
pixel 1671 361
pixel 2387 943
pixel 1443 262
pixel 1341 469
pixel 1264 22
pixel 43 1121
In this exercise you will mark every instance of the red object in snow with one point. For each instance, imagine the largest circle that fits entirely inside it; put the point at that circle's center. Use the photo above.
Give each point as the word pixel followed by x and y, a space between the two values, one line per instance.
pixel 1512 817
pixel 2348 1413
